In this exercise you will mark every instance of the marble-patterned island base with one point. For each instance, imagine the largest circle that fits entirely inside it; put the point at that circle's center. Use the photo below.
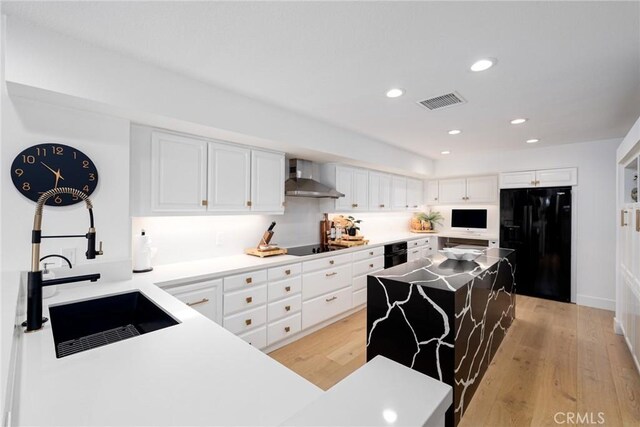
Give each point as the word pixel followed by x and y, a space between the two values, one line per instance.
pixel 443 318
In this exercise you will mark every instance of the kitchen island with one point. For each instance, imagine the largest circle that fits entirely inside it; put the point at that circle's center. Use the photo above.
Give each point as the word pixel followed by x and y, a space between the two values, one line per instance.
pixel 444 318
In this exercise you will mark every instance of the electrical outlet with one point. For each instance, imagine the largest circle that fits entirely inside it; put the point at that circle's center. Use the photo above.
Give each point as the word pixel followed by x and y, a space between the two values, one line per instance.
pixel 70 254
pixel 220 238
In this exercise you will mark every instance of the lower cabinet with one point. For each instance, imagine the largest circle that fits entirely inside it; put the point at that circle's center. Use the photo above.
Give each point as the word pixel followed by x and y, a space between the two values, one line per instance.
pixel 204 297
pixel 284 328
pixel 247 320
pixel 326 306
pixel 257 337
pixel 360 297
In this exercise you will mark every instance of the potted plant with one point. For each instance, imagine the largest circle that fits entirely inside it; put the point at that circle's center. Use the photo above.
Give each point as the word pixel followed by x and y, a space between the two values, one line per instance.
pixel 352 226
pixel 428 221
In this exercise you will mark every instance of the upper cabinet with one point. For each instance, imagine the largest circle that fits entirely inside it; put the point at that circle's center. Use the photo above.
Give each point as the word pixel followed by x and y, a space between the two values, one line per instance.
pixel 229 178
pixel 414 193
pixel 379 191
pixel 399 193
pixel 352 182
pixel 176 174
pixel 482 189
pixel 267 176
pixel 540 178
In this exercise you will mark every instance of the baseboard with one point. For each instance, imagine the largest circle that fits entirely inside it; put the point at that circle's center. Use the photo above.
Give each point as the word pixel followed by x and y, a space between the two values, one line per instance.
pixel 596 302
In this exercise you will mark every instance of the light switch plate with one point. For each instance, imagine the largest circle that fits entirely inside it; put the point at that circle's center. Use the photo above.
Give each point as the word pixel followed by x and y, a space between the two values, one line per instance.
pixel 70 253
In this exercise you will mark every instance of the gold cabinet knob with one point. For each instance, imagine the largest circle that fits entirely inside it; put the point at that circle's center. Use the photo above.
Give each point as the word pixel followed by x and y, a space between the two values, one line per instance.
pixel 435 198
pixel 247 322
pixel 249 300
pixel 205 202
pixel 287 308
pixel 248 280
pixel 331 261
pixel 287 272
pixel 354 205
pixel 249 203
pixel 371 253
pixel 382 206
pixel 287 288
pixel 370 265
pixel 287 328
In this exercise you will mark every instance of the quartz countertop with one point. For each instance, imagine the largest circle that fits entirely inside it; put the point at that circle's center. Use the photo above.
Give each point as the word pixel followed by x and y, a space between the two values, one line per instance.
pixel 441 273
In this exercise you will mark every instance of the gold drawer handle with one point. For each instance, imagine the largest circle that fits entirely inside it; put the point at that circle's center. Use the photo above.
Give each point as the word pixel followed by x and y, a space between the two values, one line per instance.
pixel 202 301
pixel 287 328
pixel 354 205
pixel 622 218
pixel 371 253
pixel 287 272
pixel 247 322
pixel 287 308
pixel 287 288
pixel 382 206
pixel 249 300
pixel 331 262
pixel 248 280
pixel 331 299
pixel 333 273
pixel 370 265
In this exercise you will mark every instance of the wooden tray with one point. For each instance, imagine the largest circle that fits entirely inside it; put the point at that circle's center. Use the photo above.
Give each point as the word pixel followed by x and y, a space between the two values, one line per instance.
pixel 347 237
pixel 348 243
pixel 424 231
pixel 262 254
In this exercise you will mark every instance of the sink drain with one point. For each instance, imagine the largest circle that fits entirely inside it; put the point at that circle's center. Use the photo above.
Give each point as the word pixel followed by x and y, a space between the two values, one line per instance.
pixel 88 342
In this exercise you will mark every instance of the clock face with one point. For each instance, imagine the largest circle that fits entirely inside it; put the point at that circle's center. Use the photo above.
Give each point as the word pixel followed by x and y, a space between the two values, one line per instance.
pixel 46 166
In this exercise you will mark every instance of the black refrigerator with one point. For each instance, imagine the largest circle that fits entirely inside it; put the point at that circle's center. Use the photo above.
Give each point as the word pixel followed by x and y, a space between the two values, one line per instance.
pixel 536 222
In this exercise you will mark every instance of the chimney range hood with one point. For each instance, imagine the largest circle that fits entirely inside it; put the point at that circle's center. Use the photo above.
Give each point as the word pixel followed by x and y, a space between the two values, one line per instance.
pixel 302 184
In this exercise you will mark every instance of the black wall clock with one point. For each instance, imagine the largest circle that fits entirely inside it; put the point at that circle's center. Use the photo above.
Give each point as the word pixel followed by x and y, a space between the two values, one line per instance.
pixel 43 167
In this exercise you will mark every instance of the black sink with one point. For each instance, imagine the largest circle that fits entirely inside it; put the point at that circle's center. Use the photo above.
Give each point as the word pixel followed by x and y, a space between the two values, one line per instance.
pixel 88 324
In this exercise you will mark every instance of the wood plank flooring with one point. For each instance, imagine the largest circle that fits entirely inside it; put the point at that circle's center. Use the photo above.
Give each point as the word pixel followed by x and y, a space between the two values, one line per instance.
pixel 556 358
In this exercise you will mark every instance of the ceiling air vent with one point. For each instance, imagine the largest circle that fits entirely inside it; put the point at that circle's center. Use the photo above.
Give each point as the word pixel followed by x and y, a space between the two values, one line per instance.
pixel 442 101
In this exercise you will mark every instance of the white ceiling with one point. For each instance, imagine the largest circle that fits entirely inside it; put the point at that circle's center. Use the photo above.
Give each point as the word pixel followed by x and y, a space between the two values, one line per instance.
pixel 572 68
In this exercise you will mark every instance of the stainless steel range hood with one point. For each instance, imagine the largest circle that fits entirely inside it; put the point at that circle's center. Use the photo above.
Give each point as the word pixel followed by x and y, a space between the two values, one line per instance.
pixel 302 184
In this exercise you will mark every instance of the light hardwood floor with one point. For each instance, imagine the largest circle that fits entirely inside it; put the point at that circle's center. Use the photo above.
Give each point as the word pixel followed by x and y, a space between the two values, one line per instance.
pixel 556 358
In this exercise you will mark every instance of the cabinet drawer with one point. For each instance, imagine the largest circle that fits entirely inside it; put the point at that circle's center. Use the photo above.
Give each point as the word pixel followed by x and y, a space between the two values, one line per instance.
pixel 327 262
pixel 360 282
pixel 414 254
pixel 359 297
pixel 286 307
pixel 205 297
pixel 285 288
pixel 257 337
pixel 244 280
pixel 284 328
pixel 321 282
pixel 428 251
pixel 326 306
pixel 244 299
pixel 368 266
pixel 369 253
pixel 417 243
pixel 246 320
pixel 284 272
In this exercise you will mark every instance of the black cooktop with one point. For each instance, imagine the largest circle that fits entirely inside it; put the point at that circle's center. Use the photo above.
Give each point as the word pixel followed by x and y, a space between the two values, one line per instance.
pixel 310 250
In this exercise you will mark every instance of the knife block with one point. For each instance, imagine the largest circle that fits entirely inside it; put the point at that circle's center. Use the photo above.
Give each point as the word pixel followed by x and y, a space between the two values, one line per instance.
pixel 266 238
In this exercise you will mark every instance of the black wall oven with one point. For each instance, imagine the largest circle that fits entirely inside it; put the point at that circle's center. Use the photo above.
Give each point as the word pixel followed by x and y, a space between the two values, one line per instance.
pixel 394 254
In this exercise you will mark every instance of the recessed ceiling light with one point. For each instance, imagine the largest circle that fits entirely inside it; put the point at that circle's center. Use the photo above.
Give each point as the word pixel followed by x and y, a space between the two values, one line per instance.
pixel 518 121
pixel 445 152
pixel 454 132
pixel 532 141
pixel 483 64
pixel 394 93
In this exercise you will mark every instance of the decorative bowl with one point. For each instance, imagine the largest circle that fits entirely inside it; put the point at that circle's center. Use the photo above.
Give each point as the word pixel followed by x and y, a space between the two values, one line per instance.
pixel 461 254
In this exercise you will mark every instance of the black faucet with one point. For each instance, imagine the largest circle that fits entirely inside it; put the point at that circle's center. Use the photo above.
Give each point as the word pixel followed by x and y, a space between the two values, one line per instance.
pixel 34 277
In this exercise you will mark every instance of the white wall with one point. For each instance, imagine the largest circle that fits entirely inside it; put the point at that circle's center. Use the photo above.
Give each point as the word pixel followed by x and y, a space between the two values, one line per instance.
pixel 595 204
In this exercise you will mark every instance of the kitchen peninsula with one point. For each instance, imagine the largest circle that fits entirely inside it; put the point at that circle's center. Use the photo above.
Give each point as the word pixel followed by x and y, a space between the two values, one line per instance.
pixel 444 318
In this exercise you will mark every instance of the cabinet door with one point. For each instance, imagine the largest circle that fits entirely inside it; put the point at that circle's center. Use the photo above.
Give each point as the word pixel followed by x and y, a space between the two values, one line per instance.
pixel 385 191
pixel 399 193
pixel 361 190
pixel 452 190
pixel 375 204
pixel 521 179
pixel 414 193
pixel 229 178
pixel 556 177
pixel 267 181
pixel 482 189
pixel 178 173
pixel 344 184
pixel 432 192
pixel 204 297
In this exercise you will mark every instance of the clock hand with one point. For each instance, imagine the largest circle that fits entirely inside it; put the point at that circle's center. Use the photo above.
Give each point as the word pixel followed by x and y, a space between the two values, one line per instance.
pixel 45 165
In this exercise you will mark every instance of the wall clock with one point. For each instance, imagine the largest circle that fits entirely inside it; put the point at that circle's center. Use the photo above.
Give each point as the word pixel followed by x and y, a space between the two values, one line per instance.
pixel 43 167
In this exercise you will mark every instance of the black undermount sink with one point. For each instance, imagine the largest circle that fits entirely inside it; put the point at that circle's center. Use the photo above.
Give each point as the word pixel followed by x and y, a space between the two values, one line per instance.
pixel 88 324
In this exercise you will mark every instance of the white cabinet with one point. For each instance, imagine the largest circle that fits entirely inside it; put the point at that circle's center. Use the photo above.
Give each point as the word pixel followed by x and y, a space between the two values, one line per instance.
pixel 540 178
pixel 353 183
pixel 414 193
pixel 204 297
pixel 178 173
pixel 229 183
pixel 379 191
pixel 267 181
pixel 432 192
pixel 325 307
pixel 482 189
pixel 399 193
